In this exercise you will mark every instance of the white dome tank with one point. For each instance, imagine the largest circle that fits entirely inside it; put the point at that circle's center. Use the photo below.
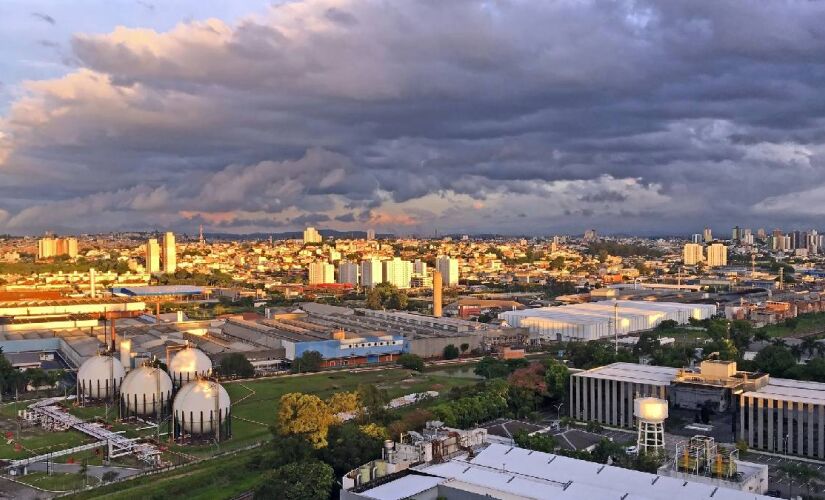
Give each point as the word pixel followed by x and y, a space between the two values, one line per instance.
pixel 144 388
pixel 196 409
pixel 188 364
pixel 99 377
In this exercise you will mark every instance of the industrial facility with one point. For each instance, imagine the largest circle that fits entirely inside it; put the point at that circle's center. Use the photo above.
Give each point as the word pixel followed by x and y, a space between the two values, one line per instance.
pixel 597 320
pixel 450 463
pixel 771 414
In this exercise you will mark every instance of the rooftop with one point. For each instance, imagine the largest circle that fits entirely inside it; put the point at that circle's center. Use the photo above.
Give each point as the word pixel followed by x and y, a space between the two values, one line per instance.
pixel 800 391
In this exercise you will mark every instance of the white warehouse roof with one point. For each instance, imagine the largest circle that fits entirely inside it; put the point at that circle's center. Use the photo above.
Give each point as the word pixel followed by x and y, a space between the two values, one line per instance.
pixel 593 320
pixel 632 372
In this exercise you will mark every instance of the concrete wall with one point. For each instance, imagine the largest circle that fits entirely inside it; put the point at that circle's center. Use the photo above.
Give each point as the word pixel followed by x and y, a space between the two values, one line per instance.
pixel 434 347
pixel 785 427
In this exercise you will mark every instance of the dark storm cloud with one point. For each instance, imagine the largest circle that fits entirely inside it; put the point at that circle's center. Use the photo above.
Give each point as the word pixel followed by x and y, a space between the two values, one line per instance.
pixel 367 112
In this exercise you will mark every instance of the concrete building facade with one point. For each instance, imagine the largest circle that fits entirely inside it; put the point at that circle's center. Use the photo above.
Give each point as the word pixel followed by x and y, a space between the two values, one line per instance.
pixel 349 272
pixel 692 254
pixel 448 267
pixel 152 256
pixel 397 272
pixel 717 255
pixel 321 273
pixel 371 273
pixel 170 255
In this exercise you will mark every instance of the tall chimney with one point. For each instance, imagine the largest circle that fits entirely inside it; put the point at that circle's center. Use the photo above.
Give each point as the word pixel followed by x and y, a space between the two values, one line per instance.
pixel 437 294
pixel 92 283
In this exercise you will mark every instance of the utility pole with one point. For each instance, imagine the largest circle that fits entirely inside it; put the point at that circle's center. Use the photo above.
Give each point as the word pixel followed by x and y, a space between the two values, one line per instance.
pixel 616 324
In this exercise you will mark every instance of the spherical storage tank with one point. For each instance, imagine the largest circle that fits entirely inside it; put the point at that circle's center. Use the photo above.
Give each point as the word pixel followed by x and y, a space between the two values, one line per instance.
pixel 188 364
pixel 200 406
pixel 145 391
pixel 99 377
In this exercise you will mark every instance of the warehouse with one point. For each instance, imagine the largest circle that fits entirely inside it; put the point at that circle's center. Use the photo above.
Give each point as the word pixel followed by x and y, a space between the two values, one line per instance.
pixel 595 320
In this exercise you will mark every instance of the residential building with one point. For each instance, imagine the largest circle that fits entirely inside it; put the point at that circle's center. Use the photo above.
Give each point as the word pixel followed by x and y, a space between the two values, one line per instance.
pixel 370 234
pixel 692 254
pixel 311 235
pixel 448 267
pixel 348 272
pixel 152 256
pixel 170 258
pixel 717 255
pixel 54 247
pixel 397 272
pixel 371 273
pixel 321 273
pixel 707 234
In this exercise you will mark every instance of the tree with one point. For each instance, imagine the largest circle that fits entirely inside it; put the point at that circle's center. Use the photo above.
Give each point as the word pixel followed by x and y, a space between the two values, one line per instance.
pixel 647 344
pixel 556 378
pixel 667 324
pixel 309 361
pixel 464 347
pixel 343 402
pixel 350 447
pixel 281 451
pixel 411 362
pixel 235 365
pixel 386 296
pixel 527 388
pixel 373 402
pixel 537 442
pixel 305 415
pixel 490 367
pixel 450 351
pixel 309 480
pixel 775 360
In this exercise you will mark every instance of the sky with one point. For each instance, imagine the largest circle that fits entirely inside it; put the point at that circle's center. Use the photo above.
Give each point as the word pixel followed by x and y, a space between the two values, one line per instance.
pixel 508 116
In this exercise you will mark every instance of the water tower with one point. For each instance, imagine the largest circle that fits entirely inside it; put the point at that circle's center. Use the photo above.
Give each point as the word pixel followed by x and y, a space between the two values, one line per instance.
pixel 651 414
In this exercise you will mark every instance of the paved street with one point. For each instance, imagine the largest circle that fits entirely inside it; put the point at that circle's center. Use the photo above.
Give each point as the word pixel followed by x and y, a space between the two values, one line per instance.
pixel 93 470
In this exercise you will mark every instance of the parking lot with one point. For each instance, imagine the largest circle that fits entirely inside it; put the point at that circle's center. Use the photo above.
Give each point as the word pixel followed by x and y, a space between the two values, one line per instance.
pixel 776 480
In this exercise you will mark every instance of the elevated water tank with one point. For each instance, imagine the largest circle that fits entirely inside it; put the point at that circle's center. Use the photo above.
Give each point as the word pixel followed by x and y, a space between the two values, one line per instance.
pixel 145 391
pixel 200 406
pixel 99 377
pixel 188 364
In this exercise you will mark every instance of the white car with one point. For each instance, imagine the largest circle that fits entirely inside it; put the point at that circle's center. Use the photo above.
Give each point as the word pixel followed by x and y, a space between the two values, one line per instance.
pixel 631 450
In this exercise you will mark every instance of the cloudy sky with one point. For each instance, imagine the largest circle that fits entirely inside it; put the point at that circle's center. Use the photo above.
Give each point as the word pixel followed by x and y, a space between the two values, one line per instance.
pixel 509 116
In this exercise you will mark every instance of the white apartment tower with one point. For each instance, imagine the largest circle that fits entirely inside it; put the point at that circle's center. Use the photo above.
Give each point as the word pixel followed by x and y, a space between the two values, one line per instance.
pixel 448 267
pixel 152 256
pixel 348 272
pixel 419 267
pixel 311 235
pixel 371 273
pixel 397 272
pixel 707 234
pixel 321 273
pixel 170 256
pixel 370 234
pixel 692 254
pixel 717 255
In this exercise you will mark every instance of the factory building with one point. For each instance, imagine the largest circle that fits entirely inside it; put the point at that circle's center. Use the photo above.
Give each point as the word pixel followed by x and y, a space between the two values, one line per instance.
pixel 595 320
pixel 451 463
pixel 771 414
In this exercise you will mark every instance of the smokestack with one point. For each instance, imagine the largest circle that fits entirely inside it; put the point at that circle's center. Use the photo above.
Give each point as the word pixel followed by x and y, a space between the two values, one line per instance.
pixel 92 283
pixel 437 294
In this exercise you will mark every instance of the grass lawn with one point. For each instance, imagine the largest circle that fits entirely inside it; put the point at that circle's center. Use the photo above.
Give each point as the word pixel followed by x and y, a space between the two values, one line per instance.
pixel 224 477
pixel 37 441
pixel 56 482
pixel 805 323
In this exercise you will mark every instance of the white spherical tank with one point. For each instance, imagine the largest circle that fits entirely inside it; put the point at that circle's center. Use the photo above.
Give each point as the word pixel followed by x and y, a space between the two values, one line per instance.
pixel 99 377
pixel 200 405
pixel 188 364
pixel 145 391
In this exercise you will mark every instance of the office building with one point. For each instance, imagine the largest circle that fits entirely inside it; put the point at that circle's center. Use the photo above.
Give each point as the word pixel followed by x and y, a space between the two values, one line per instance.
pixel 321 273
pixel 311 235
pixel 371 273
pixel 707 234
pixel 348 272
pixel 397 272
pixel 170 256
pixel 717 255
pixel 736 234
pixel 692 254
pixel 152 256
pixel 448 267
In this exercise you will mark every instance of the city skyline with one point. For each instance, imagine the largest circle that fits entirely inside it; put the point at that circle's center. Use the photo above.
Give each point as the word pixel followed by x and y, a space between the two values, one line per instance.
pixel 628 117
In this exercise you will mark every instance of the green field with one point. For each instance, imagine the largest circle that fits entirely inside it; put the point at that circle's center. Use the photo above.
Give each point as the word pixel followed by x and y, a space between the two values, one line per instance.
pixel 805 324
pixel 254 410
pixel 57 482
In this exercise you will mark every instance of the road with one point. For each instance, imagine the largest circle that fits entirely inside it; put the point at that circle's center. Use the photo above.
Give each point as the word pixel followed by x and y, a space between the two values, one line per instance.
pixel 93 470
pixel 16 491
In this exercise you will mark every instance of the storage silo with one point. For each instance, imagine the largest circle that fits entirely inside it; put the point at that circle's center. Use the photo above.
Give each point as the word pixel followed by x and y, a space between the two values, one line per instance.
pixel 147 392
pixel 99 377
pixel 201 408
pixel 188 364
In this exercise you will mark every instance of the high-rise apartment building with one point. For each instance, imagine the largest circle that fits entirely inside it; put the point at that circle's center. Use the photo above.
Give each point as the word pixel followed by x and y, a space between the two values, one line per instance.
pixel 735 234
pixel 448 267
pixel 589 235
pixel 697 238
pixel 152 256
pixel 419 267
pixel 707 234
pixel 370 234
pixel 348 272
pixel 371 273
pixel 170 255
pixel 397 272
pixel 54 247
pixel 311 235
pixel 321 273
pixel 692 254
pixel 717 255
